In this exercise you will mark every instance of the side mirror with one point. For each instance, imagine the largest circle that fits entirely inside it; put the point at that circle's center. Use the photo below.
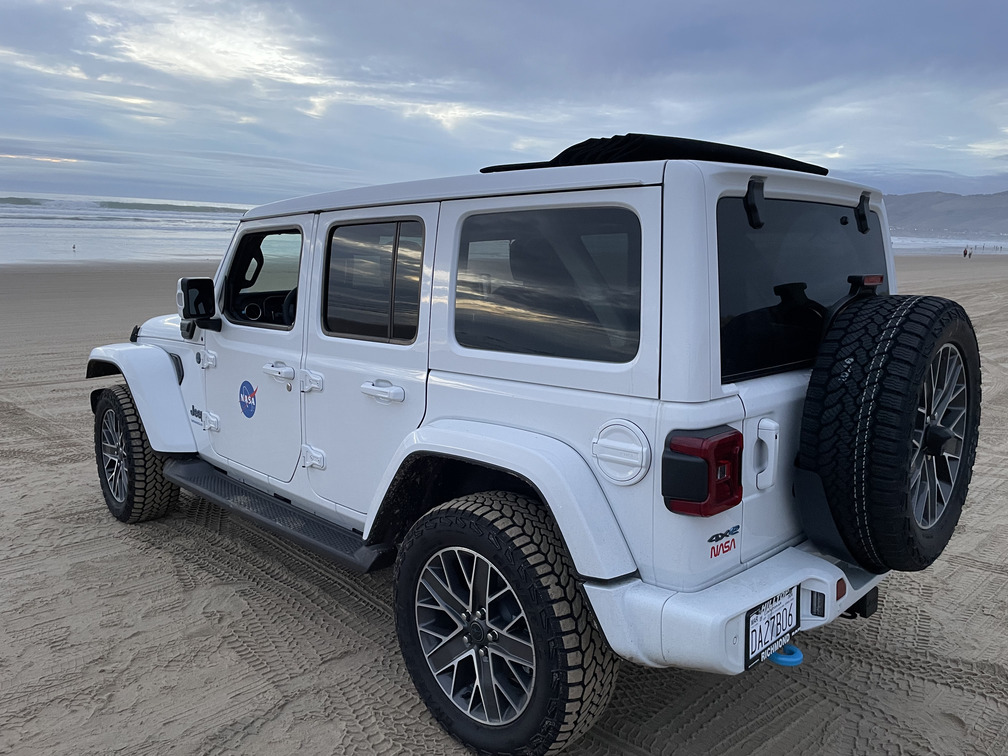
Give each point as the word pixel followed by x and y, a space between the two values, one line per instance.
pixel 196 307
pixel 195 298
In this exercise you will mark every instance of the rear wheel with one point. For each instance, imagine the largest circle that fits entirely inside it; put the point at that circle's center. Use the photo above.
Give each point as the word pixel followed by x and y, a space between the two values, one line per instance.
pixel 128 469
pixel 494 631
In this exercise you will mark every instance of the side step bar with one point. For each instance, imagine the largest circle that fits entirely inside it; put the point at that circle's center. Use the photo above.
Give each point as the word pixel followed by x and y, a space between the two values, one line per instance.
pixel 331 541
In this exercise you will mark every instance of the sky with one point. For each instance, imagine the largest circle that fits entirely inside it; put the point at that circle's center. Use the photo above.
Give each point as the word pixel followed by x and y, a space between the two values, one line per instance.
pixel 249 101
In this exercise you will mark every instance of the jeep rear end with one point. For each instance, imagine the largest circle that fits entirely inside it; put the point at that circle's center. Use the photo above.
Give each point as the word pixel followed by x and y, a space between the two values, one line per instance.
pixel 754 260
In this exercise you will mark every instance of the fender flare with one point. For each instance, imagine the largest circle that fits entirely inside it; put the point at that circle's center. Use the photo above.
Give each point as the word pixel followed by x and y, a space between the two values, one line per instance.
pixel 151 376
pixel 563 479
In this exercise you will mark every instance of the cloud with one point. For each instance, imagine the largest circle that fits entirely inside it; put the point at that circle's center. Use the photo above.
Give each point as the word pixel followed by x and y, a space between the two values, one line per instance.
pixel 38 158
pixel 992 149
pixel 199 45
pixel 31 63
pixel 330 95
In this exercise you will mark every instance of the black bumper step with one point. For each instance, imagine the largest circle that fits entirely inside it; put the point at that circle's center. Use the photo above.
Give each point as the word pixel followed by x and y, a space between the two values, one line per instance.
pixel 331 541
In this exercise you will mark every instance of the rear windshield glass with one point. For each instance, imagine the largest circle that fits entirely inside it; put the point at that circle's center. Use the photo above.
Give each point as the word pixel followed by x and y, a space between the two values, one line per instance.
pixel 778 281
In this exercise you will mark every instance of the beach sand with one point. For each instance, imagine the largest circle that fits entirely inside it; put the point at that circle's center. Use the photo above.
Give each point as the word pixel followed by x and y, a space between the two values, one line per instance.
pixel 200 633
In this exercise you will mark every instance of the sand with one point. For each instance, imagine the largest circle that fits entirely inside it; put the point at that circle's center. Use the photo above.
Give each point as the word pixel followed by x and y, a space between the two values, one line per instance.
pixel 200 633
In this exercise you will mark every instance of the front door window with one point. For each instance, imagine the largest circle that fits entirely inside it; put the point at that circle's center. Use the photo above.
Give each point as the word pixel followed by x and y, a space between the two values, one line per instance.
pixel 261 286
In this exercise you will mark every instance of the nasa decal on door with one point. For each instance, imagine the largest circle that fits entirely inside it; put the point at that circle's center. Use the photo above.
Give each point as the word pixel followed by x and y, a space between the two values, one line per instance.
pixel 247 399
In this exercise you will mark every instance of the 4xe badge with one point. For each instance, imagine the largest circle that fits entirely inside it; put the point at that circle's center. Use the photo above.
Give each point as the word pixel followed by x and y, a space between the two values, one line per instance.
pixel 247 399
pixel 723 542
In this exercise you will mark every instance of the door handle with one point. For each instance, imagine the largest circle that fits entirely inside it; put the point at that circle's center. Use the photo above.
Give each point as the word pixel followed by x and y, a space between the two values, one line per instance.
pixel 383 391
pixel 769 434
pixel 279 371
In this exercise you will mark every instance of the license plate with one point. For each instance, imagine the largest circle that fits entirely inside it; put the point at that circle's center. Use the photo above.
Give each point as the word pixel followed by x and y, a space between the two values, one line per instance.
pixel 770 625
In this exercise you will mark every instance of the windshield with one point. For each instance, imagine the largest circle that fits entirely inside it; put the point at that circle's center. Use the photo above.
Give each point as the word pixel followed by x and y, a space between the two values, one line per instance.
pixel 778 281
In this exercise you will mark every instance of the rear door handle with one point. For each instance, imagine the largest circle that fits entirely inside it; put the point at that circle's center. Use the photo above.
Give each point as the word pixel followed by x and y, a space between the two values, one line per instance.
pixel 383 391
pixel 769 434
pixel 279 371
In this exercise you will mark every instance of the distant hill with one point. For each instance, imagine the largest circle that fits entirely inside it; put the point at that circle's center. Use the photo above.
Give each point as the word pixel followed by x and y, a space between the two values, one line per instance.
pixel 940 213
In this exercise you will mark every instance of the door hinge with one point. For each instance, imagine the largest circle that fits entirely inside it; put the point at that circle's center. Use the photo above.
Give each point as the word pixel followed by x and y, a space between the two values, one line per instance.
pixel 311 381
pixel 210 421
pixel 312 457
pixel 208 360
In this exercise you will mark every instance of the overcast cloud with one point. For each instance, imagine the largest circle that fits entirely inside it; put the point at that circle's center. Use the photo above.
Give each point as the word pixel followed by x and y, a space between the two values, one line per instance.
pixel 249 101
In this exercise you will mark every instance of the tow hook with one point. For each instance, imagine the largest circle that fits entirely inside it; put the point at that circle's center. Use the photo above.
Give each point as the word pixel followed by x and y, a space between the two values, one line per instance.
pixel 787 655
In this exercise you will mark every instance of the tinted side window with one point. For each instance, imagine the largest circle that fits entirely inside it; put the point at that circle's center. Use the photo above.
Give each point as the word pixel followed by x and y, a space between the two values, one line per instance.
pixel 563 282
pixel 373 281
pixel 261 286
pixel 777 282
pixel 409 260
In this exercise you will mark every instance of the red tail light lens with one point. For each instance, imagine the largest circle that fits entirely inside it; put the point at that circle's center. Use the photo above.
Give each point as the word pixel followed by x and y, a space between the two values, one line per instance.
pixel 702 471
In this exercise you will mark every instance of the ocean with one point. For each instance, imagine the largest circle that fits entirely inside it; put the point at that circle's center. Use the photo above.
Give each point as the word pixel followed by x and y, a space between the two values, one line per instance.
pixel 41 228
pixel 978 244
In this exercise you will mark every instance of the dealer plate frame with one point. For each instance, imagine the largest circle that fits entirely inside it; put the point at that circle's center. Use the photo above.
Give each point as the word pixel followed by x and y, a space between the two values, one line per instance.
pixel 765 612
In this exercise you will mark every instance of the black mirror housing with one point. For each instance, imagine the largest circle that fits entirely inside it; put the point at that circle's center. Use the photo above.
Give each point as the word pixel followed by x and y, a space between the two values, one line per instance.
pixel 196 306
pixel 196 298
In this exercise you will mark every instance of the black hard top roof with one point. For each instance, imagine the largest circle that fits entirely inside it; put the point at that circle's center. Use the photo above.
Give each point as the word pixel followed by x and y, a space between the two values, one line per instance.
pixel 632 148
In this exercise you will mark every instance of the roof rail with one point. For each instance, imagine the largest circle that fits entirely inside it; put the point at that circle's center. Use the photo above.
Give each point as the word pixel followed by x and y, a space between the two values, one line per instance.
pixel 633 148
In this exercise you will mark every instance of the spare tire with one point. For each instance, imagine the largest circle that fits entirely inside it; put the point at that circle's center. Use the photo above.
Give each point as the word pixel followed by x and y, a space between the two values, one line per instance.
pixel 890 425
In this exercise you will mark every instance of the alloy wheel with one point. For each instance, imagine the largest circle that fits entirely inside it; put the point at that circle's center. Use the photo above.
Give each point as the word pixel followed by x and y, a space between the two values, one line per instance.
pixel 475 636
pixel 114 455
pixel 939 431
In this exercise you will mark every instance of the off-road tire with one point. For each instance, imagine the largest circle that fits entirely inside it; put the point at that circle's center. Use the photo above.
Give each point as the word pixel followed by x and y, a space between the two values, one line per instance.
pixel 574 669
pixel 894 378
pixel 129 470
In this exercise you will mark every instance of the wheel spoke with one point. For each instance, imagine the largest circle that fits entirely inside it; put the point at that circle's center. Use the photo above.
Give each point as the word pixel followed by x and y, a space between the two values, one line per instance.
pixel 929 390
pixel 449 653
pixel 916 474
pixel 488 689
pixel 916 460
pixel 950 390
pixel 443 594
pixel 931 511
pixel 918 497
pixel 480 583
pixel 945 477
pixel 515 649
pixel 513 695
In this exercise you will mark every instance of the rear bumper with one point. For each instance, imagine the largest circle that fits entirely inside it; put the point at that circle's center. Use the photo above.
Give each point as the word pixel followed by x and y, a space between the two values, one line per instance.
pixel 705 629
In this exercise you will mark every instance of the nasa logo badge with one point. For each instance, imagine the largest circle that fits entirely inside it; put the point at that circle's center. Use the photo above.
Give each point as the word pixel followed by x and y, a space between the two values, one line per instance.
pixel 247 399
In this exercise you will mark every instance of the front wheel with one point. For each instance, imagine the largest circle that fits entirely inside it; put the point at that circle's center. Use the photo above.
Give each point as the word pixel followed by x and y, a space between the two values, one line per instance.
pixel 129 470
pixel 493 629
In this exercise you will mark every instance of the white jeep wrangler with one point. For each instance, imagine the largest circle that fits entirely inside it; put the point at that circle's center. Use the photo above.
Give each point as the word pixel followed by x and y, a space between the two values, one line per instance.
pixel 653 399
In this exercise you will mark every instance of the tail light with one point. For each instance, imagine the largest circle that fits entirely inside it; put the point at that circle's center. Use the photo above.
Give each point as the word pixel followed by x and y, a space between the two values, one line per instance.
pixel 702 471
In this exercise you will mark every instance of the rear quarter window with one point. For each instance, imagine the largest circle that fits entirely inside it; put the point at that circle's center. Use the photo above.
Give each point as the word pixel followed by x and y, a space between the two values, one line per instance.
pixel 558 282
